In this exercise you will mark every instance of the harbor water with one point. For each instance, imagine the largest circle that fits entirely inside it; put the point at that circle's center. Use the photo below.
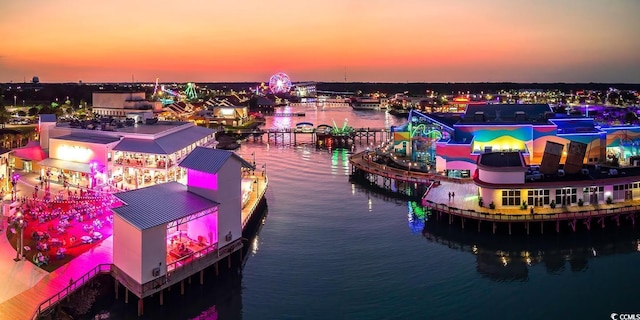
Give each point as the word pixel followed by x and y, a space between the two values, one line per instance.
pixel 331 249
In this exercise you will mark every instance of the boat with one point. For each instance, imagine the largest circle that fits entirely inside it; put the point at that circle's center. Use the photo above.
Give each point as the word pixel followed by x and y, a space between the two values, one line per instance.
pixel 365 104
pixel 305 127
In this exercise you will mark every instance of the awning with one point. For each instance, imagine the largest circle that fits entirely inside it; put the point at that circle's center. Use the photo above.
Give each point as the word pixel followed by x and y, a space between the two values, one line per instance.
pixel 66 165
pixel 32 151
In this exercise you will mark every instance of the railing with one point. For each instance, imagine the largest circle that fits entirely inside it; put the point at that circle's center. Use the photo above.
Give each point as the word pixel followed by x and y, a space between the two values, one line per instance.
pixel 180 263
pixel 395 173
pixel 527 217
pixel 73 286
pixel 255 203
pixel 297 130
pixel 190 260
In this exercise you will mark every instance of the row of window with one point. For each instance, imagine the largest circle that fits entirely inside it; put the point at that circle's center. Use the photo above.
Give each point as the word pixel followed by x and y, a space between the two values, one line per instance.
pixel 568 196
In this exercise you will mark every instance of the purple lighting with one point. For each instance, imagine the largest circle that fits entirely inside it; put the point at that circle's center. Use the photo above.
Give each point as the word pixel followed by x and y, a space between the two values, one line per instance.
pixel 202 180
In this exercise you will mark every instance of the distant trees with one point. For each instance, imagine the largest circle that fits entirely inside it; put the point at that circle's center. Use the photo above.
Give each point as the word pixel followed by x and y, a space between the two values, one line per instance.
pixel 631 118
pixel 4 116
pixel 33 111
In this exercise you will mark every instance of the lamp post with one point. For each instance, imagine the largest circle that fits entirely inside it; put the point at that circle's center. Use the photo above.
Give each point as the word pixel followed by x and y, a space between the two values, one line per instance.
pixel 14 182
pixel 19 224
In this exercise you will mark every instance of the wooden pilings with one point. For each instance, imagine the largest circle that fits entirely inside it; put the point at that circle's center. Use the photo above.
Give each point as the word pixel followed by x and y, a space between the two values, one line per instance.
pixel 140 307
pixel 574 222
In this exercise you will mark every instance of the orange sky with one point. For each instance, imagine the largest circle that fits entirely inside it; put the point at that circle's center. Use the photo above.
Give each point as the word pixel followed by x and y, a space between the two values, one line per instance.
pixel 375 40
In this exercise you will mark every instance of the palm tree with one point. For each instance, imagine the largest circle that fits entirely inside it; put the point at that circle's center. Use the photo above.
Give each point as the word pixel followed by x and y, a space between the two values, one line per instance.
pixel 4 116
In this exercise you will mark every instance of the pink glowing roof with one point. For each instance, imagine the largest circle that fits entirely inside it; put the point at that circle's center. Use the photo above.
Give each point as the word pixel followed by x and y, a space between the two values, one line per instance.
pixel 32 151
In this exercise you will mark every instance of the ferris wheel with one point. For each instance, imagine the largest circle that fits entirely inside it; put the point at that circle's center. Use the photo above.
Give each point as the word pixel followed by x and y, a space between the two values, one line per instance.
pixel 279 83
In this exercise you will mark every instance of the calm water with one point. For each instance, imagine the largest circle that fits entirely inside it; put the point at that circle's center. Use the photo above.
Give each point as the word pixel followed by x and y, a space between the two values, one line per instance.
pixel 333 250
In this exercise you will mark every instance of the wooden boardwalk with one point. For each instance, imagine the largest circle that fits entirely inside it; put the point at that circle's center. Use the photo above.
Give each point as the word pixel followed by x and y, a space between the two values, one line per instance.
pixel 465 202
pixel 260 188
pixel 25 304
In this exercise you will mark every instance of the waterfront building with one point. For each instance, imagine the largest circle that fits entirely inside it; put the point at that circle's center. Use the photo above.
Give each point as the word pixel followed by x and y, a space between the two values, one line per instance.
pixel 460 140
pixel 127 154
pixel 505 181
pixel 163 228
pixel 119 104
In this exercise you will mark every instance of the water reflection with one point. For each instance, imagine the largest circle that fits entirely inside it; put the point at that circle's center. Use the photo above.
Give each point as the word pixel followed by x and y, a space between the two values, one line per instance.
pixel 510 258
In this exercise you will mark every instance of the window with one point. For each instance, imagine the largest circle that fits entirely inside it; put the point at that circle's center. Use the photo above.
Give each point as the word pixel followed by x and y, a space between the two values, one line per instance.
pixel 511 197
pixel 538 197
pixel 593 195
pixel 622 191
pixel 566 196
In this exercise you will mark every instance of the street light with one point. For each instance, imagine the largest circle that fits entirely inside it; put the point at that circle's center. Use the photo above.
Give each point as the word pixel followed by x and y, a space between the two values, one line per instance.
pixel 18 223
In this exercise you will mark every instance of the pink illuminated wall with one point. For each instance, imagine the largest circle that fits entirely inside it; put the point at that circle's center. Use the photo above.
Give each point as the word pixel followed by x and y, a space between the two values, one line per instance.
pixel 206 227
pixel 203 180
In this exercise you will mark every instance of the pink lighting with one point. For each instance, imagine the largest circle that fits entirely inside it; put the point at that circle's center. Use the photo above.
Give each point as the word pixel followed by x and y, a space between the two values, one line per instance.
pixel 202 180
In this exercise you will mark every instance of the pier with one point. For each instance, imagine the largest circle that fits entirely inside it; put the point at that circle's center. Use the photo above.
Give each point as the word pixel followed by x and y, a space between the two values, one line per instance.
pixel 464 208
pixel 45 296
pixel 290 136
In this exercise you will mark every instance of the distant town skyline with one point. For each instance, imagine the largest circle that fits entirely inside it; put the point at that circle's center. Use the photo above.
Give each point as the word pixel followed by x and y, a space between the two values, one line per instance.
pixel 327 41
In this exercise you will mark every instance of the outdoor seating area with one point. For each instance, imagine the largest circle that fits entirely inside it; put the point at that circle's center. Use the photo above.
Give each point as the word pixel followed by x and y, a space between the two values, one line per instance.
pixel 56 232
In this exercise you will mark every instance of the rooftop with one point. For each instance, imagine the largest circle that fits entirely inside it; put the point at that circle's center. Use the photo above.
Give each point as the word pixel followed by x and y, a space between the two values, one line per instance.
pixel 166 144
pixel 210 160
pixel 159 204
pixel 501 159
pixel 501 113
pixel 150 129
pixel 89 138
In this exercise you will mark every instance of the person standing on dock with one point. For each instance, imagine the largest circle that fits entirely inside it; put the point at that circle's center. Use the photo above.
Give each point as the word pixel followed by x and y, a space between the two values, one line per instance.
pixel 449 195
pixel 453 196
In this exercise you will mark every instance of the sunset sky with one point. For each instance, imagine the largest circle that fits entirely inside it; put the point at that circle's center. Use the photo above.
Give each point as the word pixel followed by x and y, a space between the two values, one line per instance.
pixel 373 40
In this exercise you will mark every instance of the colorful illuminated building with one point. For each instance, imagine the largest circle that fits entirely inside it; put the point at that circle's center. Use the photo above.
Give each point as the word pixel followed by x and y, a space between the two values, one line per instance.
pixel 170 231
pixel 130 155
pixel 525 128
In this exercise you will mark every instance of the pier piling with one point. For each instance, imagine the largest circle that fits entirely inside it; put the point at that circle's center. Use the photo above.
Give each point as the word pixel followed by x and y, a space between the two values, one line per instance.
pixel 140 307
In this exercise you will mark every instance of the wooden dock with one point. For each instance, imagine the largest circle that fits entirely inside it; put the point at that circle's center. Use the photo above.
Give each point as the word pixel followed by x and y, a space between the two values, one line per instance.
pixel 57 285
pixel 464 207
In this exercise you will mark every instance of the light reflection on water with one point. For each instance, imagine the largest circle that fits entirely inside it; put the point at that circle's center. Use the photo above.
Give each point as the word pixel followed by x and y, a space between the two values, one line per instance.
pixel 331 249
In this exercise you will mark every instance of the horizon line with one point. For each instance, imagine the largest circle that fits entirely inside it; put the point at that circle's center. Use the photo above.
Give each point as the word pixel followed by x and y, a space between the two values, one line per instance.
pixel 333 82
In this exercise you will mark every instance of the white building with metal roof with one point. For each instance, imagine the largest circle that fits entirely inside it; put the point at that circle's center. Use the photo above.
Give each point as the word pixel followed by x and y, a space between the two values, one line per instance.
pixel 129 155
pixel 161 229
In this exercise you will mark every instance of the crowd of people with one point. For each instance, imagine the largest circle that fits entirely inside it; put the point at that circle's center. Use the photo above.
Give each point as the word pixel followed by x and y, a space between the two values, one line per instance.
pixel 54 223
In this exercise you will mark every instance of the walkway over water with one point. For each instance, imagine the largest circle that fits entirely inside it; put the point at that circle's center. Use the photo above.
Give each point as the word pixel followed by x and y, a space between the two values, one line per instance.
pixel 29 291
pixel 465 202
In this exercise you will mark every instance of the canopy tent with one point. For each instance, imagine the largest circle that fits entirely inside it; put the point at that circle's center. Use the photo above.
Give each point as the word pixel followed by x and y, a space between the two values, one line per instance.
pixel 32 151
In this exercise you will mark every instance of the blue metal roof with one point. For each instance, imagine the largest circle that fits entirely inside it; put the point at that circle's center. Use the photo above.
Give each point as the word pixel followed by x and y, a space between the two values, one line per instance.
pixel 48 118
pixel 89 138
pixel 160 204
pixel 210 160
pixel 167 144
